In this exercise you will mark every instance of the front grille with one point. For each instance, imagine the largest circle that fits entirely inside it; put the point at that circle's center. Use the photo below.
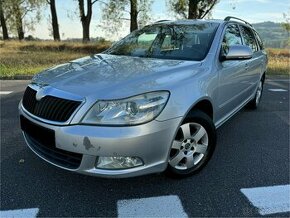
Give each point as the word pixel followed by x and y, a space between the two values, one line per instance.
pixel 49 107
pixel 42 141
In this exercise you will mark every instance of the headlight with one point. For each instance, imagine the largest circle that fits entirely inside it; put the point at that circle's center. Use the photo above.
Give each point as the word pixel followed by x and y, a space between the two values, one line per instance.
pixel 131 111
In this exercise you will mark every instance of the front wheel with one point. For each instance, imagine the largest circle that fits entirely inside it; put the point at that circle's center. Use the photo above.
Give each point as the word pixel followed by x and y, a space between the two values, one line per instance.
pixel 193 145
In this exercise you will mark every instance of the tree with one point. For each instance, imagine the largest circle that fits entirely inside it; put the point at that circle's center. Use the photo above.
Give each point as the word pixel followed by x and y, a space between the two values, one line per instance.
pixel 19 14
pixel 192 9
pixel 19 11
pixel 133 15
pixel 3 22
pixel 134 11
pixel 86 18
pixel 54 20
pixel 286 24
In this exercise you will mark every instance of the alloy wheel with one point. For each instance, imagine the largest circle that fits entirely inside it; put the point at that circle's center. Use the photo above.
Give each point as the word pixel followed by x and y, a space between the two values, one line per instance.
pixel 189 146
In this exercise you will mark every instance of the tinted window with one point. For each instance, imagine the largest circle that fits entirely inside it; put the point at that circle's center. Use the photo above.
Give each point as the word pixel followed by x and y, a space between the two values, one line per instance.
pixel 181 42
pixel 232 37
pixel 260 42
pixel 249 38
pixel 146 39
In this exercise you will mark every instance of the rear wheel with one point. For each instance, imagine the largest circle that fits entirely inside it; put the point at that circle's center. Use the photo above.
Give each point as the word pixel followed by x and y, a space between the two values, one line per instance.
pixel 193 145
pixel 254 103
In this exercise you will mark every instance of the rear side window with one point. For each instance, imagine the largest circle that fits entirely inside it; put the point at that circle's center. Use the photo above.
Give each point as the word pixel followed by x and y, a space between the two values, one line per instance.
pixel 260 42
pixel 249 38
pixel 232 37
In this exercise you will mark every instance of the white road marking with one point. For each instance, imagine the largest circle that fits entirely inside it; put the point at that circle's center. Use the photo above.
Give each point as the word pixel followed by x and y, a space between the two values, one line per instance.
pixel 277 80
pixel 278 90
pixel 5 92
pixel 27 213
pixel 269 200
pixel 163 206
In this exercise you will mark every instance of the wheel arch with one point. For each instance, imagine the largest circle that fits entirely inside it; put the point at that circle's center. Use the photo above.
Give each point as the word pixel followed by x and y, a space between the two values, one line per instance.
pixel 263 78
pixel 205 105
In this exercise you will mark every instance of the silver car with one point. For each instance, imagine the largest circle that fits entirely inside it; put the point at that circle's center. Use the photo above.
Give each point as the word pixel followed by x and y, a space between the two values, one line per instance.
pixel 150 103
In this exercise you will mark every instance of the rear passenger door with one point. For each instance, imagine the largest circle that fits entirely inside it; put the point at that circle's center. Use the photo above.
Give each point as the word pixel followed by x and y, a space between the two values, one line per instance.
pixel 254 65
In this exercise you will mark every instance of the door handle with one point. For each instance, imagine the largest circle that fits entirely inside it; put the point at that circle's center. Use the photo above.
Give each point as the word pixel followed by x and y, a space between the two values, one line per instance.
pixel 246 66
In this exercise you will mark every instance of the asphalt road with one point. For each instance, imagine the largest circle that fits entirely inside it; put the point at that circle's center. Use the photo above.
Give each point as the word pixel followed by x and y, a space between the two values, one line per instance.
pixel 252 151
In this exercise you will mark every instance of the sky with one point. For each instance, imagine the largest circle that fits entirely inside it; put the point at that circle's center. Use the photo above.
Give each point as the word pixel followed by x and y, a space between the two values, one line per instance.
pixel 253 11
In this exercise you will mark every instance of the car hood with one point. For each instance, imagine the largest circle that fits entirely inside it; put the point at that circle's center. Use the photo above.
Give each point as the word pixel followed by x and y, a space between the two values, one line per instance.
pixel 110 77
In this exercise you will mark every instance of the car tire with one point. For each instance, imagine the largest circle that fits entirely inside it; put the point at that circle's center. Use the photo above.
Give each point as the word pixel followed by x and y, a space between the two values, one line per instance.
pixel 192 146
pixel 254 103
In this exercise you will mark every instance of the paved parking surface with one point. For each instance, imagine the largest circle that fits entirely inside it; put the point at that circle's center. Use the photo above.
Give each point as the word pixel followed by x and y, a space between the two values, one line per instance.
pixel 252 152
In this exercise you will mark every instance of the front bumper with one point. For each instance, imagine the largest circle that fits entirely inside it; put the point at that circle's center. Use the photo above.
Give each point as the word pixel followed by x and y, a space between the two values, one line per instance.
pixel 151 142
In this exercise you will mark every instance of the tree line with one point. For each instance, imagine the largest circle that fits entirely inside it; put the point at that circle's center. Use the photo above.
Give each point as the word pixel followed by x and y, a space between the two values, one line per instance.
pixel 18 15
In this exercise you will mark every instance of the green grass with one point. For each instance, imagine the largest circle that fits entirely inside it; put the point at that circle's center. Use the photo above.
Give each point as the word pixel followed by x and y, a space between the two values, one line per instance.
pixel 29 58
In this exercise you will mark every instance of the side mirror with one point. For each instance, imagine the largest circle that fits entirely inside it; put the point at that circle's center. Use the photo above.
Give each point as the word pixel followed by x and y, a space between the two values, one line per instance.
pixel 238 52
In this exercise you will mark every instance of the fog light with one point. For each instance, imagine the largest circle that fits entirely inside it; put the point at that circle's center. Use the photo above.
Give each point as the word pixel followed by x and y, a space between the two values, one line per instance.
pixel 118 162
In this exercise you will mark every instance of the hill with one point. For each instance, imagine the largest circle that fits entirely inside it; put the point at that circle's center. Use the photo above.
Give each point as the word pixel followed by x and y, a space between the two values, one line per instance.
pixel 273 35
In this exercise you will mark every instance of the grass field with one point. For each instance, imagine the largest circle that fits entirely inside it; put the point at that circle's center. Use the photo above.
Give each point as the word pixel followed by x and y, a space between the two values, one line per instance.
pixel 28 58
pixel 279 61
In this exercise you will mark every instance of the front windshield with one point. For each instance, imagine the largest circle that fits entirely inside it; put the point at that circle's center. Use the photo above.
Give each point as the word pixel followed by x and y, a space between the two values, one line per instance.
pixel 180 42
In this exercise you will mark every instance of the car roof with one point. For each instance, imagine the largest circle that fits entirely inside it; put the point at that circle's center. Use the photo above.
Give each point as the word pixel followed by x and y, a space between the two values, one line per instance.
pixel 200 21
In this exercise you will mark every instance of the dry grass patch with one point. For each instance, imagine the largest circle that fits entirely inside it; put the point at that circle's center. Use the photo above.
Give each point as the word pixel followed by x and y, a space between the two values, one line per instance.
pixel 28 58
pixel 279 61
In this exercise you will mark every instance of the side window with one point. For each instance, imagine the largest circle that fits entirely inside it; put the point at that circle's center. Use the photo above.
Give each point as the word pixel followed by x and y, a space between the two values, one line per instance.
pixel 249 38
pixel 146 39
pixel 169 43
pixel 232 37
pixel 260 42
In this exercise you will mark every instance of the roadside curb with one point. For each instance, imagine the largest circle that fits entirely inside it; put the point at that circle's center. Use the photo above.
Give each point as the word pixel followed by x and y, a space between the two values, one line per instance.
pixel 17 77
pixel 273 77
